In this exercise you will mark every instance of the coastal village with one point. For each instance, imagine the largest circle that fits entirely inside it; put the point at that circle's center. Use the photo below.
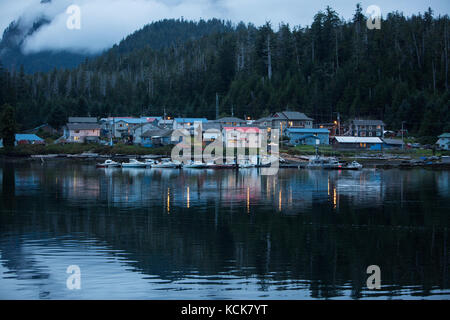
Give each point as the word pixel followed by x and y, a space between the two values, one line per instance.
pixel 296 131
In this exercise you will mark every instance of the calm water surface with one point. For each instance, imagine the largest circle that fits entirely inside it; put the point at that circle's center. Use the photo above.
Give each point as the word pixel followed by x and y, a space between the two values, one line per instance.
pixel 203 234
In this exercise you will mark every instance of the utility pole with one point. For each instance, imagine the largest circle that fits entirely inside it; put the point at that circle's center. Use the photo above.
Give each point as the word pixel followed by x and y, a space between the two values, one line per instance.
pixel 217 106
pixel 403 142
pixel 339 123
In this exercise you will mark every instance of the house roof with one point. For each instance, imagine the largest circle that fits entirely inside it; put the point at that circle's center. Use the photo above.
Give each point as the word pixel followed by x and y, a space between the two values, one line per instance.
pixel 445 135
pixel 131 120
pixel 264 119
pixel 82 120
pixel 244 129
pixel 27 136
pixel 191 120
pixel 291 115
pixel 211 125
pixel 362 122
pixel 230 119
pixel 307 130
pixel 146 124
pixel 152 118
pixel 158 132
pixel 83 126
pixel 346 139
pixel 393 141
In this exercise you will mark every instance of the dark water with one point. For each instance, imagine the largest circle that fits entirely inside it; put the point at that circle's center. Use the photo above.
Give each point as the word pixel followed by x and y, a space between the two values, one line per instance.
pixel 201 234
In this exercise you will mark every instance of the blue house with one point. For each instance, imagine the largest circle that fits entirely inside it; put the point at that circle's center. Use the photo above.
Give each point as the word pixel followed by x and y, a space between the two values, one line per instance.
pixel 25 138
pixel 156 137
pixel 308 136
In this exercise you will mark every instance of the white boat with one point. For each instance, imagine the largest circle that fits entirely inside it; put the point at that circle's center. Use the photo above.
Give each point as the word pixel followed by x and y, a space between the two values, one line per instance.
pixel 333 163
pixel 108 164
pixel 321 163
pixel 246 164
pixel 167 164
pixel 133 163
pixel 149 162
pixel 353 166
pixel 195 165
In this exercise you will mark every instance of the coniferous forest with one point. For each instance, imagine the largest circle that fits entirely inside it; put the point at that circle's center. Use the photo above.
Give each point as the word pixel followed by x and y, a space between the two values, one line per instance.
pixel 397 73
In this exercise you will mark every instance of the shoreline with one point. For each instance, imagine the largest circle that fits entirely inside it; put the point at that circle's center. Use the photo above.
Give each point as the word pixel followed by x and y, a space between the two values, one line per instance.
pixel 291 162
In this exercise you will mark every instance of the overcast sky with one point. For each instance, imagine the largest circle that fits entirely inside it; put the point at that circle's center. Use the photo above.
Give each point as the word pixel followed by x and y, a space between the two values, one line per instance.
pixel 105 22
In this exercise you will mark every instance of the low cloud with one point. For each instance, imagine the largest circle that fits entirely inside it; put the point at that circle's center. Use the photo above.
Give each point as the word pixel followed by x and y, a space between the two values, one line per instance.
pixel 106 22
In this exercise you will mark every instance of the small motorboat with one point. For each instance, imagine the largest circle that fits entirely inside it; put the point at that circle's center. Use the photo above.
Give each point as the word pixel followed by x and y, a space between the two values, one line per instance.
pixel 149 163
pixel 246 164
pixel 133 163
pixel 195 165
pixel 355 165
pixel 213 165
pixel 319 162
pixel 108 164
pixel 167 164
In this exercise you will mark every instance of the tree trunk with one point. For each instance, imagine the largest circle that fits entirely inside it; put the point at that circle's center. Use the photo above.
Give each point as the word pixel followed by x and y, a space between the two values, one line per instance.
pixel 269 59
pixel 417 50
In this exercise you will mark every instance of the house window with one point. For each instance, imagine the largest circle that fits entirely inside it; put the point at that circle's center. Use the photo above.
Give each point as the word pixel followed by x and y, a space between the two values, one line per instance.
pixel 77 131
pixel 370 134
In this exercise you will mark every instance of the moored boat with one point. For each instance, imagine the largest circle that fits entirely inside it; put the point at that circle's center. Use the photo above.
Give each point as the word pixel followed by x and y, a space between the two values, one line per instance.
pixel 246 164
pixel 133 163
pixel 353 166
pixel 195 165
pixel 108 164
pixel 167 164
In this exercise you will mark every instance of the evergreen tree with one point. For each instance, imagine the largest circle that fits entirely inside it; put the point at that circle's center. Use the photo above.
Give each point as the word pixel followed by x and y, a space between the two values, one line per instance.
pixel 8 126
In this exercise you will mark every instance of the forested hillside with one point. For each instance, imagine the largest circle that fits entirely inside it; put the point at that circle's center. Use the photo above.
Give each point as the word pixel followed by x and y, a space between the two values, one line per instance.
pixel 398 73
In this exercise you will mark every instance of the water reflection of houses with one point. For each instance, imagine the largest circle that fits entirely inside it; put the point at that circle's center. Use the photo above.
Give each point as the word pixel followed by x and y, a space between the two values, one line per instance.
pixel 362 188
pixel 79 186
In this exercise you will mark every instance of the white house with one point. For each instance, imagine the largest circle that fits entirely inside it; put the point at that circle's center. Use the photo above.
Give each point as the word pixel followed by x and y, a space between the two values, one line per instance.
pixel 241 137
pixel 82 129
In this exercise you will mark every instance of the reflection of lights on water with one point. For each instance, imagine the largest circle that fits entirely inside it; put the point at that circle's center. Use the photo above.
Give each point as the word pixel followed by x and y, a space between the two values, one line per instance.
pixel 328 186
pixel 168 200
pixel 279 200
pixel 334 198
pixel 290 197
pixel 188 197
pixel 248 200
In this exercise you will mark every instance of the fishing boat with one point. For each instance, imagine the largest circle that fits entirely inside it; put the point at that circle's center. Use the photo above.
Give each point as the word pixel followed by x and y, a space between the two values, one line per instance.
pixel 108 164
pixel 133 163
pixel 195 165
pixel 318 162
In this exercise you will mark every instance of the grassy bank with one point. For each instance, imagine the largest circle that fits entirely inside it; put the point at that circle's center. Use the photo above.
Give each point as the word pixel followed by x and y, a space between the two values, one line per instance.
pixel 76 148
pixel 329 151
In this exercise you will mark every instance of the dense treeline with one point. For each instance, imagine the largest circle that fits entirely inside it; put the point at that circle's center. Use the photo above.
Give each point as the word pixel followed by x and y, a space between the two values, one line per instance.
pixel 398 73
